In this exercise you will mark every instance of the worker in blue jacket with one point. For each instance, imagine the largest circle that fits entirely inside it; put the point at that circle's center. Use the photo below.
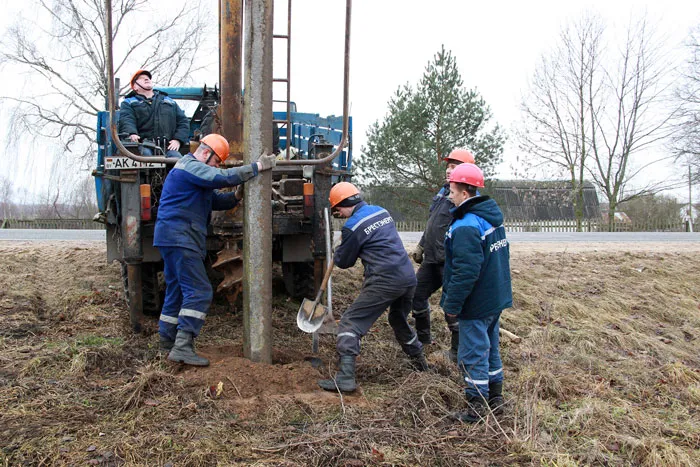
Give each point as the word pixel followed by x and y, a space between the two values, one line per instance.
pixel 147 114
pixel 370 234
pixel 189 195
pixel 476 289
pixel 430 255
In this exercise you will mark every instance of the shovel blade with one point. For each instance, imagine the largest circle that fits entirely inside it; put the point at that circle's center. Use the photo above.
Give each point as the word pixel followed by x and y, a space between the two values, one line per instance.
pixel 310 316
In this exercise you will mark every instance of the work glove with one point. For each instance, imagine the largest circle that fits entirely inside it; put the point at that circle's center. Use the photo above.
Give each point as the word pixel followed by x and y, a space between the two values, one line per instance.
pixel 418 254
pixel 239 192
pixel 266 162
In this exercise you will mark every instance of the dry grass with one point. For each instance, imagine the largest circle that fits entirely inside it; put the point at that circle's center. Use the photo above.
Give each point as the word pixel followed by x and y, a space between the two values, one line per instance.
pixel 608 373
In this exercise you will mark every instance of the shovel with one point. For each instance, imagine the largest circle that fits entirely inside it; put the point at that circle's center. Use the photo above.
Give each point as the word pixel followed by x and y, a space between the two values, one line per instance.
pixel 311 312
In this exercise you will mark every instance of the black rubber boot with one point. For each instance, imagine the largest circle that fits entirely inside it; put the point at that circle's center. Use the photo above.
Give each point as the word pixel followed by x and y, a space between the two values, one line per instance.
pixel 423 326
pixel 345 377
pixel 166 345
pixel 183 351
pixel 496 401
pixel 454 347
pixel 476 411
pixel 419 363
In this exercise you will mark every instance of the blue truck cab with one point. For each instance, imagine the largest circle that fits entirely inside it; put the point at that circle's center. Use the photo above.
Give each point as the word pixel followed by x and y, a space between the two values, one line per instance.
pixel 298 225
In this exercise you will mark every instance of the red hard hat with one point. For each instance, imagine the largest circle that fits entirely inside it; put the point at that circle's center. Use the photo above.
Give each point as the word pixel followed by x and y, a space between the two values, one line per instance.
pixel 464 156
pixel 138 73
pixel 469 174
pixel 218 143
pixel 341 191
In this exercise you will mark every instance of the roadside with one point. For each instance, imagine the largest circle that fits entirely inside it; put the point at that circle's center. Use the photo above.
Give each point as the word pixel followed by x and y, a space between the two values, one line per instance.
pixel 608 372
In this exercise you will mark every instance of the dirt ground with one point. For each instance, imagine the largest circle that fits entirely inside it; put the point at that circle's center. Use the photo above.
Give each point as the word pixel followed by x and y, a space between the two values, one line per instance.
pixel 607 373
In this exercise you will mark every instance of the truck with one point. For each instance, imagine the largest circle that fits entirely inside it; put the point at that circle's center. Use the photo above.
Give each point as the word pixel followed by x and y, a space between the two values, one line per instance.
pixel 128 198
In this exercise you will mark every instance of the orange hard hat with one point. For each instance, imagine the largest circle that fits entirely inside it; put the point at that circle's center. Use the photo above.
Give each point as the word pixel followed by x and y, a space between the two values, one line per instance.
pixel 342 191
pixel 138 73
pixel 218 144
pixel 464 156
pixel 469 174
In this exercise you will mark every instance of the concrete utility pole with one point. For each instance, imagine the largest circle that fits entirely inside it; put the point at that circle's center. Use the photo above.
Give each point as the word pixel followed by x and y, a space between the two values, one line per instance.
pixel 257 138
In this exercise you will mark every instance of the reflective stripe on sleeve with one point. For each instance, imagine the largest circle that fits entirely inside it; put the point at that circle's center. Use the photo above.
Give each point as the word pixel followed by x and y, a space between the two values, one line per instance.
pixel 374 214
pixel 489 231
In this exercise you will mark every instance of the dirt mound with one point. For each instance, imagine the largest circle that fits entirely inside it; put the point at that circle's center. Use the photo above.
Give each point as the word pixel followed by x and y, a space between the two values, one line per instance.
pixel 244 379
pixel 250 389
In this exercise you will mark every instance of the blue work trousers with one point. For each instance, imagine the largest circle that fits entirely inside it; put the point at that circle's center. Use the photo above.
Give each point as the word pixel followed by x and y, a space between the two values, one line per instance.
pixel 429 277
pixel 375 297
pixel 479 356
pixel 188 292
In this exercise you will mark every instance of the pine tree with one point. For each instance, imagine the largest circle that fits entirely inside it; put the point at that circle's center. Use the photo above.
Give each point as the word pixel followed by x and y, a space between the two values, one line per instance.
pixel 422 126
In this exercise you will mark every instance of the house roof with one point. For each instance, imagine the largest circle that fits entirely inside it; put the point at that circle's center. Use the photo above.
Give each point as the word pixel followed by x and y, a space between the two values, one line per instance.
pixel 541 200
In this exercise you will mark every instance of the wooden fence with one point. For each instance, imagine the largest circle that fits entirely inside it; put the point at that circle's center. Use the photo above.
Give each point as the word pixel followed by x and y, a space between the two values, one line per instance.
pixel 599 225
pixel 596 225
pixel 69 224
pixel 566 225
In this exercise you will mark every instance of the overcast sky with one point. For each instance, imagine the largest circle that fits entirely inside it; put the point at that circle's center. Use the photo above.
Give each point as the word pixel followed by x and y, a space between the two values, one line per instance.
pixel 497 46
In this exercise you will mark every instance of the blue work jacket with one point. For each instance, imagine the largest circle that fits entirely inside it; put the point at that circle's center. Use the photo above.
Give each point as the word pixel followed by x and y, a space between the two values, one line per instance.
pixel 188 198
pixel 154 119
pixel 476 281
pixel 439 219
pixel 370 234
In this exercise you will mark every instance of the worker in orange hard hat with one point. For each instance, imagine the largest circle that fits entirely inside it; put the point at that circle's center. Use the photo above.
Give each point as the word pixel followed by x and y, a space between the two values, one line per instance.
pixel 430 255
pixel 476 289
pixel 189 196
pixel 149 115
pixel 370 234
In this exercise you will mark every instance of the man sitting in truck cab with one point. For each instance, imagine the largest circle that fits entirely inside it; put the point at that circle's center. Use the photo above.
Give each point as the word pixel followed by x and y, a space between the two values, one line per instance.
pixel 149 115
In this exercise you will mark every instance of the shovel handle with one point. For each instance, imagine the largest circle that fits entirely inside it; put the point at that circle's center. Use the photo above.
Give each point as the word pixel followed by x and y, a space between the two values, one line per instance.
pixel 324 282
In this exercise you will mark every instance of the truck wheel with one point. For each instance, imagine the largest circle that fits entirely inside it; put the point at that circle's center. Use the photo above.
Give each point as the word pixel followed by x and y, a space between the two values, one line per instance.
pixel 153 287
pixel 299 279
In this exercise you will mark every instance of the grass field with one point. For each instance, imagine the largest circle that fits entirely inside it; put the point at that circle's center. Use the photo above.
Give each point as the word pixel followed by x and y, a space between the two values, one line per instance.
pixel 607 373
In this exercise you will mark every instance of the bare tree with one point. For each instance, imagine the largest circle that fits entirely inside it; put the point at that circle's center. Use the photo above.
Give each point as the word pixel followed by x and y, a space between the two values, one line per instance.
pixel 630 119
pixel 686 141
pixel 61 50
pixel 82 201
pixel 6 204
pixel 590 112
pixel 557 109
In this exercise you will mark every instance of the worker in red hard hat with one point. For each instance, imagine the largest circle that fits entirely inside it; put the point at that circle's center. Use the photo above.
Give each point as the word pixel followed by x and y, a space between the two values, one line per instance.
pixel 149 115
pixel 430 255
pixel 189 196
pixel 370 234
pixel 476 289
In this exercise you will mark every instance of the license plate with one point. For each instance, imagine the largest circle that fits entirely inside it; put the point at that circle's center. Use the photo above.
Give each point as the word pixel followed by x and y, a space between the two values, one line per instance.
pixel 118 163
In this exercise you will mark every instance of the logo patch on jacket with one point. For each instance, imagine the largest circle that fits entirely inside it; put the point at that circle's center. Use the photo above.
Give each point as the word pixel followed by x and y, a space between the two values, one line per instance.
pixel 372 227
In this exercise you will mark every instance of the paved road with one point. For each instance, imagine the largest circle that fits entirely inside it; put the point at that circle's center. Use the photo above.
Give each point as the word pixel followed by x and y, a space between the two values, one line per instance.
pixel 407 237
pixel 52 235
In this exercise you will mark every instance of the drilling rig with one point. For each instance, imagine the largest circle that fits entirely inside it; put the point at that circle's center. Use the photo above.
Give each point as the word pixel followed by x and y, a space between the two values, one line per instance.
pixel 281 219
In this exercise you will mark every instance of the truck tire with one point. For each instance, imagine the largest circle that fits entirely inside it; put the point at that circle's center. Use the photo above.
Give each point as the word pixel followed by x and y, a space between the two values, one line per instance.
pixel 299 279
pixel 153 287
